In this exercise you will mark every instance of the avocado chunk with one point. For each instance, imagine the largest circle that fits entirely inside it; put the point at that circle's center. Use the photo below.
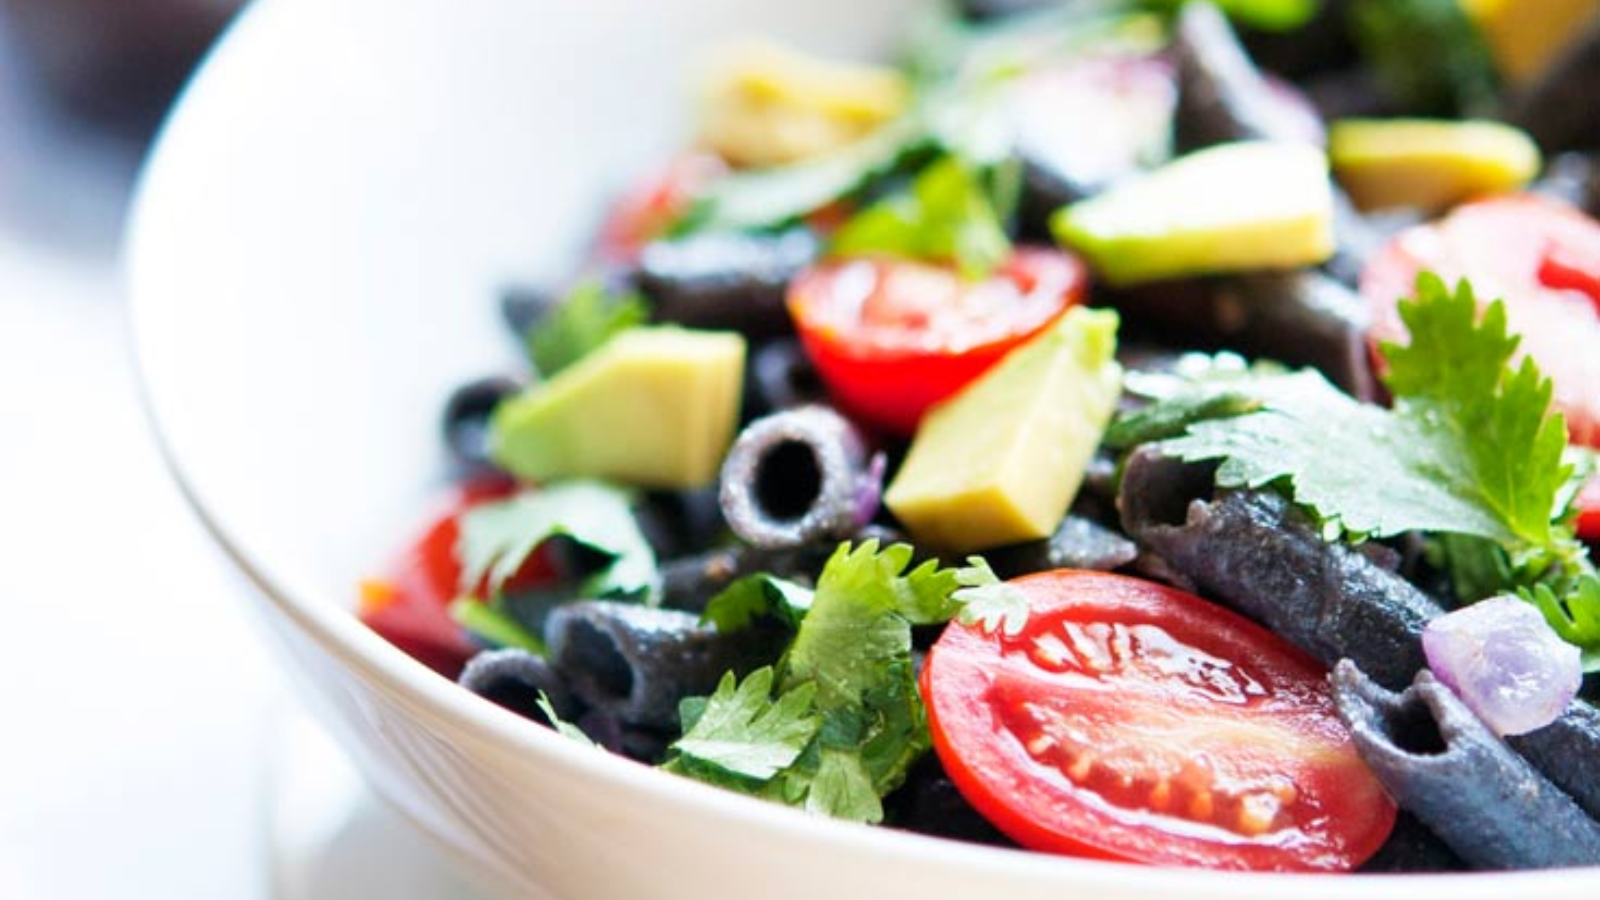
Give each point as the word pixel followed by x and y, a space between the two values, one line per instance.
pixel 1235 207
pixel 654 407
pixel 1001 461
pixel 1428 163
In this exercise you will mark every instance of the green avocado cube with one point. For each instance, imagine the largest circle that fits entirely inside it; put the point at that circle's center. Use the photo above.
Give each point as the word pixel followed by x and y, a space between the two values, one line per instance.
pixel 655 407
pixel 1230 208
pixel 1001 460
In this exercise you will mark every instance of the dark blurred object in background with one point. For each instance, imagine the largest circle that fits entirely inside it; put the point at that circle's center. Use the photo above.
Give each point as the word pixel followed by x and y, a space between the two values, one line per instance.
pixel 117 62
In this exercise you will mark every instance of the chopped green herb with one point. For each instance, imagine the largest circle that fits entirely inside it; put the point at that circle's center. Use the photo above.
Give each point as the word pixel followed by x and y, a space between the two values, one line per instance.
pixel 740 730
pixel 1427 54
pixel 564 728
pixel 846 683
pixel 950 213
pixel 497 538
pixel 749 598
pixel 489 621
pixel 1471 453
pixel 1575 617
pixel 770 198
pixel 989 603
pixel 1266 15
pixel 580 324
pixel 1467 450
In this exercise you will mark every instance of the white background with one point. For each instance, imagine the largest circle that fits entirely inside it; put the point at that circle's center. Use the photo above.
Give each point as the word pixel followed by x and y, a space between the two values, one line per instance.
pixel 137 709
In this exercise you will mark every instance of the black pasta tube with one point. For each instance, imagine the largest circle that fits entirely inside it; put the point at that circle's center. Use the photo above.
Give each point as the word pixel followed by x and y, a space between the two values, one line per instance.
pixel 1255 552
pixel 797 477
pixel 634 663
pixel 1222 96
pixel 1440 762
pixel 515 679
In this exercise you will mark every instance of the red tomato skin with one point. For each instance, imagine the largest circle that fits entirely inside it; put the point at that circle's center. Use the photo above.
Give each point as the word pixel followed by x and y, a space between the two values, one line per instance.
pixel 416 589
pixel 1588 506
pixel 651 207
pixel 1343 815
pixel 1541 257
pixel 888 374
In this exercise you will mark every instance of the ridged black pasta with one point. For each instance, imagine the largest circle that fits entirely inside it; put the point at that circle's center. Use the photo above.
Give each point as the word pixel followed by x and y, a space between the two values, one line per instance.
pixel 1078 543
pixel 635 662
pixel 797 477
pixel 1438 760
pixel 514 679
pixel 1255 552
pixel 725 280
pixel 1301 318
pixel 1221 95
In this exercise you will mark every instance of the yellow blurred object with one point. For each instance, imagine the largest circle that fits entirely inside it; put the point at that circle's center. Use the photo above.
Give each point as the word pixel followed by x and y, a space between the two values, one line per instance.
pixel 1524 36
pixel 769 105
pixel 1428 163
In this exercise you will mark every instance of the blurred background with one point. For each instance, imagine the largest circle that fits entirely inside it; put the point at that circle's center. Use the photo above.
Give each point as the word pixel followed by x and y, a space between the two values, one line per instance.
pixel 136 704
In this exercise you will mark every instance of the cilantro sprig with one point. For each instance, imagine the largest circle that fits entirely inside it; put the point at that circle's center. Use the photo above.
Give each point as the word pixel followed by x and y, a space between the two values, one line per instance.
pixel 1471 452
pixel 838 723
pixel 580 323
pixel 953 211
pixel 497 539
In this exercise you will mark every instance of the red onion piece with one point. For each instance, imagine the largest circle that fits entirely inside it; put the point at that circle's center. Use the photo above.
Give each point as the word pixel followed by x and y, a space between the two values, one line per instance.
pixel 1501 658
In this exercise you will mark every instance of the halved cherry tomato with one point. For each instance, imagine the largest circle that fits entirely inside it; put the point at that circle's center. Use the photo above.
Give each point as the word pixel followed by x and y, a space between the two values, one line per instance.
pixel 409 606
pixel 1542 258
pixel 1588 506
pixel 893 337
pixel 1132 721
pixel 651 207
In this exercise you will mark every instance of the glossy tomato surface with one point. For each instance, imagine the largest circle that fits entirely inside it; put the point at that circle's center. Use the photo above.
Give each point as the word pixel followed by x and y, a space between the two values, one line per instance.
pixel 1587 504
pixel 893 337
pixel 1541 257
pixel 1128 720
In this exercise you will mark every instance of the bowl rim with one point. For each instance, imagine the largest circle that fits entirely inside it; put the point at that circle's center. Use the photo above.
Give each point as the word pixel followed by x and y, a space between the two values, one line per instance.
pixel 413 685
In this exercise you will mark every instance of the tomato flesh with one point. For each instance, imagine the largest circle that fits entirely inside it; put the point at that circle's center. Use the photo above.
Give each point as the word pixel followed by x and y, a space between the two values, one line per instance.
pixel 1588 506
pixel 1132 721
pixel 1542 258
pixel 410 604
pixel 891 338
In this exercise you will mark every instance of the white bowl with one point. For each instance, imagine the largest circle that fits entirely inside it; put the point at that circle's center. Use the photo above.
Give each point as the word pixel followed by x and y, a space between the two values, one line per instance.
pixel 313 260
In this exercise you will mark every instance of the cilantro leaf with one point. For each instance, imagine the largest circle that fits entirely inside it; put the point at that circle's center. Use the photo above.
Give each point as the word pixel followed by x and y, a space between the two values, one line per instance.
pixel 1471 454
pixel 497 538
pixel 769 198
pixel 1575 617
pixel 1426 53
pixel 562 727
pixel 585 319
pixel 848 670
pixel 742 731
pixel 490 622
pixel 749 598
pixel 1470 447
pixel 843 788
pixel 1456 373
pixel 951 212
pixel 1359 469
pixel 989 603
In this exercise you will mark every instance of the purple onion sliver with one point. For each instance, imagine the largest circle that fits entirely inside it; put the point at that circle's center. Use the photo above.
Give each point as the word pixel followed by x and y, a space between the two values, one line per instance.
pixel 869 489
pixel 1501 658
